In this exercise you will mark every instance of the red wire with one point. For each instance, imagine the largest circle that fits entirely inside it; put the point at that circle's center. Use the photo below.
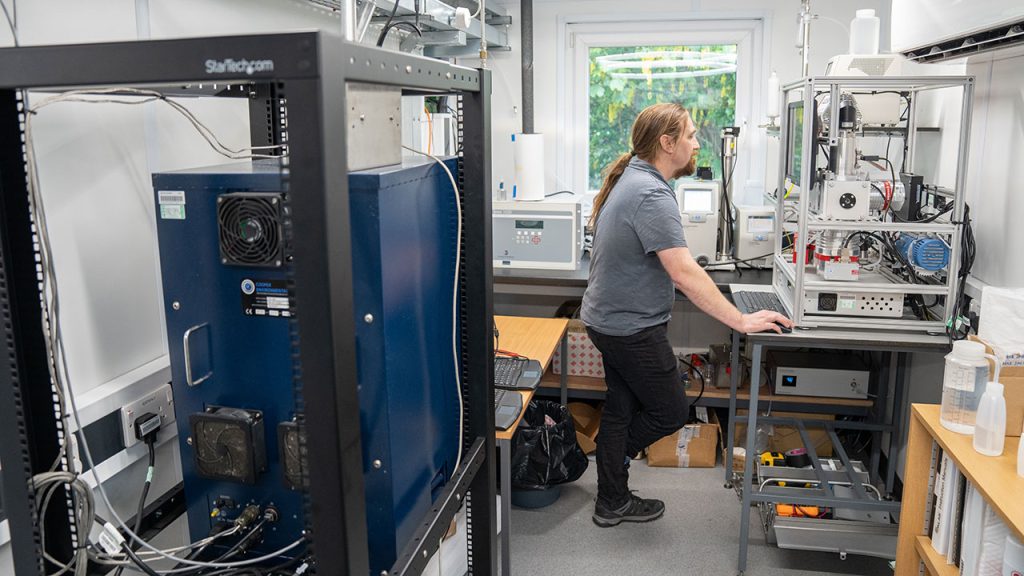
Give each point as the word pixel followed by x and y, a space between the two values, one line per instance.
pixel 501 352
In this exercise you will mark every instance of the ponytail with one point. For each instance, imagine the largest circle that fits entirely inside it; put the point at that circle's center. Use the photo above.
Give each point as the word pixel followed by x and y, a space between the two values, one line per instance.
pixel 611 177
pixel 651 124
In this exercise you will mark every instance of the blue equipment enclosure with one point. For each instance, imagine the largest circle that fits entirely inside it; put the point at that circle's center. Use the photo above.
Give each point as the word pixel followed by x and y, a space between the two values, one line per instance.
pixel 228 306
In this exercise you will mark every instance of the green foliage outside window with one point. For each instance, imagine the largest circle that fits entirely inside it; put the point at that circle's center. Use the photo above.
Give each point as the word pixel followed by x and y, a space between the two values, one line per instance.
pixel 615 101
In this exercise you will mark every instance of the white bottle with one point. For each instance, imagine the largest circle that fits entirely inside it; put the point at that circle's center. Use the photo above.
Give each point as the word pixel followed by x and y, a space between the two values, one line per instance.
pixel 1020 456
pixel 864 33
pixel 990 426
pixel 774 96
pixel 963 384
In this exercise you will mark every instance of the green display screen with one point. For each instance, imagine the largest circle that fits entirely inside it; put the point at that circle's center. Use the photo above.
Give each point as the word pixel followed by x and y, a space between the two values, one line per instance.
pixel 529 224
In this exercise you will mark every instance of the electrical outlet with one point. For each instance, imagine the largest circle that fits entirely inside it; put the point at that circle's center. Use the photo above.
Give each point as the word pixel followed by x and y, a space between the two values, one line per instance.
pixel 159 402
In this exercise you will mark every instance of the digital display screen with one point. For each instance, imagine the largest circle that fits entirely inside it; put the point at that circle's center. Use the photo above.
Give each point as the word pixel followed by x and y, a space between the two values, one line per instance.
pixel 789 381
pixel 529 224
pixel 697 200
pixel 760 223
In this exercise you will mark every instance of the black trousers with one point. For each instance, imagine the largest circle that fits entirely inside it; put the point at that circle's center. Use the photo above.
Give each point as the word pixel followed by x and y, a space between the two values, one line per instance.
pixel 646 401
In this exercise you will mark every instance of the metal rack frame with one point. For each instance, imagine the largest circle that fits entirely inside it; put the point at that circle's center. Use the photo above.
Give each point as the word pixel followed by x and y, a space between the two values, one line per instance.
pixel 789 274
pixel 308 76
pixel 900 344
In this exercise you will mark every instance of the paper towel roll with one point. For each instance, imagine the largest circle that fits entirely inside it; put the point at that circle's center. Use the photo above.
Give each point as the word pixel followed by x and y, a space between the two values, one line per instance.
pixel 1002 323
pixel 529 158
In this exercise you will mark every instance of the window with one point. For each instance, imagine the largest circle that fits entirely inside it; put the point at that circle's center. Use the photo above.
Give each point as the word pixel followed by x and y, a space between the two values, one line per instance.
pixel 611 70
pixel 626 79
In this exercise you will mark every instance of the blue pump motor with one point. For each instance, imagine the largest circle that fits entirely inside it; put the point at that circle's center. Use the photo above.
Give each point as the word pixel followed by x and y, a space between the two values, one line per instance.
pixel 924 252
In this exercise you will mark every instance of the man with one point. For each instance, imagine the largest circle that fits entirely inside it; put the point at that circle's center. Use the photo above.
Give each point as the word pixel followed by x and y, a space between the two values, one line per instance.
pixel 639 257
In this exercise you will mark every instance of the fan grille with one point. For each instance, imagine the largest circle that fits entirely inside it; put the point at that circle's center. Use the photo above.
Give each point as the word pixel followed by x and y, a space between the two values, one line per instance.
pixel 291 454
pixel 250 229
pixel 228 444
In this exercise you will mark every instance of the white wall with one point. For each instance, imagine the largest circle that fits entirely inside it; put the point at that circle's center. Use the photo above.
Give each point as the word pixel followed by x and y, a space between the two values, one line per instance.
pixel 827 39
pixel 996 147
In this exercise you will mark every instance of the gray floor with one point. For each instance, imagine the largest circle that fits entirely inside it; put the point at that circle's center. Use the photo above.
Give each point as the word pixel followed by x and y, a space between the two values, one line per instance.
pixel 697 535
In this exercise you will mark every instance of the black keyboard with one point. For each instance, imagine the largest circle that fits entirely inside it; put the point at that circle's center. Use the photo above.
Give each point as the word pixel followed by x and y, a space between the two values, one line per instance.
pixel 507 371
pixel 750 302
pixel 507 406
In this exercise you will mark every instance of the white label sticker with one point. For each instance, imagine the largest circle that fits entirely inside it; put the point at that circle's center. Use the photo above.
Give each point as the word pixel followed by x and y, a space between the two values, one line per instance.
pixel 172 211
pixel 702 414
pixel 171 197
pixel 277 302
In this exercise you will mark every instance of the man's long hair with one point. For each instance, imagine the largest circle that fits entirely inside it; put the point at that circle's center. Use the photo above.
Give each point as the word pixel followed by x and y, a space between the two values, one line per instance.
pixel 650 125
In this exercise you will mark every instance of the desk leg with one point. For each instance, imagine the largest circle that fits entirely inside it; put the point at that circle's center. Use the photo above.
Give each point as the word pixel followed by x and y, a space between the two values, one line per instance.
pixel 734 370
pixel 899 408
pixel 564 380
pixel 751 455
pixel 505 453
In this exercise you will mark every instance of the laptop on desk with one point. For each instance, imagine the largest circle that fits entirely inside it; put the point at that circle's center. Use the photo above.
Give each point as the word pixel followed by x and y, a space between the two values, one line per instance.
pixel 516 373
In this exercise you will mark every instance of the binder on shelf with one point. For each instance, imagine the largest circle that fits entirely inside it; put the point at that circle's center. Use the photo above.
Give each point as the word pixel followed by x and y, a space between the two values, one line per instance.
pixel 944 497
pixel 971 531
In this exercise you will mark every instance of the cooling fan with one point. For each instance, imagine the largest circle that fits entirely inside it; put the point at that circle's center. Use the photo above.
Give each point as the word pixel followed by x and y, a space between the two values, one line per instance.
pixel 250 228
pixel 292 452
pixel 228 444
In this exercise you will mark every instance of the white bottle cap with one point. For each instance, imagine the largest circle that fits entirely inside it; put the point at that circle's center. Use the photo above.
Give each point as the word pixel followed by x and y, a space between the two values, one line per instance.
pixel 994 388
pixel 972 350
pixel 866 13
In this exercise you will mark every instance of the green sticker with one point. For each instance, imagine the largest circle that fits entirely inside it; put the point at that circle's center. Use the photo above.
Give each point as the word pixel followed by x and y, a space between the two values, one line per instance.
pixel 172 211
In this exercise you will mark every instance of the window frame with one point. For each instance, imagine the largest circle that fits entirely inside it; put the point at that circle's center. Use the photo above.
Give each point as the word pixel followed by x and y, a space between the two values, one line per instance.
pixel 573 73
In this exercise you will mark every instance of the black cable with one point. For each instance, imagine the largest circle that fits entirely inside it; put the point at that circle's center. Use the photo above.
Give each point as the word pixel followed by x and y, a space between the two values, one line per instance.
pixel 150 444
pixel 238 547
pixel 137 561
pixel 968 250
pixel 384 31
pixel 558 193
pixel 699 375
pixel 403 24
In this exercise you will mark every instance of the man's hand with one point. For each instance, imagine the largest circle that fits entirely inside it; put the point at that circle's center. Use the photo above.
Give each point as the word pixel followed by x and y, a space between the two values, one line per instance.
pixel 762 321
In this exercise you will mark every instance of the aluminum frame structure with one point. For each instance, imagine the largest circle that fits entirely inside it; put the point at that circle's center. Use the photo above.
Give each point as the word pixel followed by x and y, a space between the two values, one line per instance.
pixel 791 278
pixel 298 100
pixel 901 344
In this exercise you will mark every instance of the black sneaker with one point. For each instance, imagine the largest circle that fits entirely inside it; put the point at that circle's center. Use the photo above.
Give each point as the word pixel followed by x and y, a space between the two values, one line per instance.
pixel 637 509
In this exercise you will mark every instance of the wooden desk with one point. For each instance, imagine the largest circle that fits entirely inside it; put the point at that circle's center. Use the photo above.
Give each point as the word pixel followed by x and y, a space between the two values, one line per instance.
pixel 996 479
pixel 537 339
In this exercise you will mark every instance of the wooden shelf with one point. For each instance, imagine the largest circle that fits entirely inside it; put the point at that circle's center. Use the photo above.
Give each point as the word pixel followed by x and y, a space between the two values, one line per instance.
pixel 933 561
pixel 552 380
pixel 995 477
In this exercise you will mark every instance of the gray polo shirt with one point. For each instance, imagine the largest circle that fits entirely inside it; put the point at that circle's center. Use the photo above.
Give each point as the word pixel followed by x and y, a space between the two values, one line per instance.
pixel 629 289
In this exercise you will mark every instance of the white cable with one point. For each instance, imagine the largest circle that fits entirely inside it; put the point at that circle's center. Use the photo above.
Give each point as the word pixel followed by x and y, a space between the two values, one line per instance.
pixel 479 8
pixel 455 298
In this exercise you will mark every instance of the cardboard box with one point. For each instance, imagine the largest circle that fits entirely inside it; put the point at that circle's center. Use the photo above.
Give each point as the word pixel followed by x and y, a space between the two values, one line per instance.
pixel 584 358
pixel 785 438
pixel 587 421
pixel 1012 379
pixel 692 446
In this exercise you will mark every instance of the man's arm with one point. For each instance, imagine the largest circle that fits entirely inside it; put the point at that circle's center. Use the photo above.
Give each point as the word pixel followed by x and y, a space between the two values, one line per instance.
pixel 693 281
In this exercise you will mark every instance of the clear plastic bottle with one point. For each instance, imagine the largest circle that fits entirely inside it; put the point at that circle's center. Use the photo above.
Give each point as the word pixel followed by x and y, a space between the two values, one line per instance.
pixel 963 384
pixel 990 425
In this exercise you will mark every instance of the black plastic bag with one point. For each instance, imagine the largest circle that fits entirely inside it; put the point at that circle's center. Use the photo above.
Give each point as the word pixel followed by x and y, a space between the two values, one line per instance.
pixel 544 455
